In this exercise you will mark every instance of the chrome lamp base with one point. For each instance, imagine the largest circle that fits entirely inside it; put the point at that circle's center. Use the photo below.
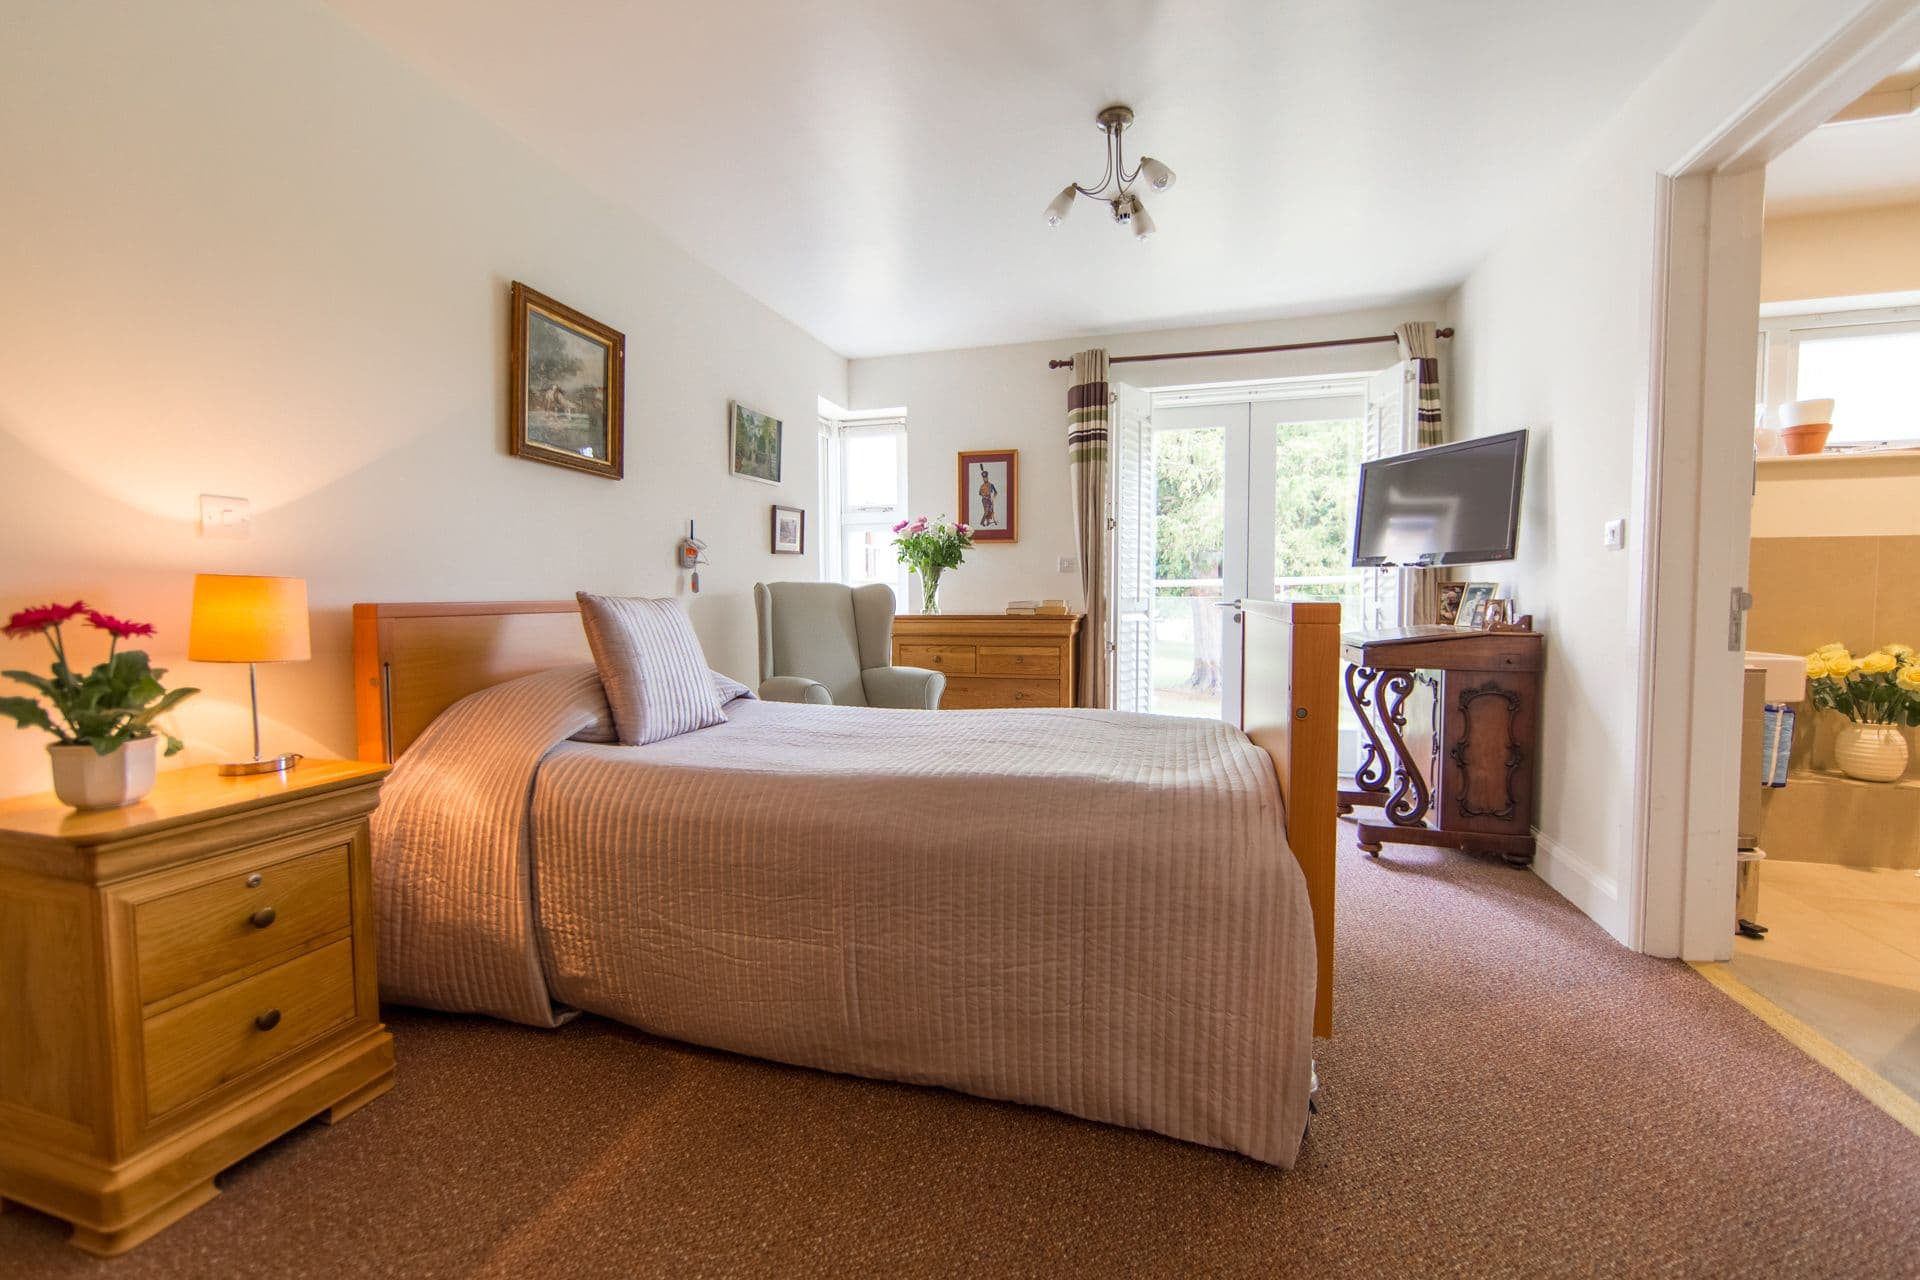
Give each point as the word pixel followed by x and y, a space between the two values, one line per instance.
pixel 272 764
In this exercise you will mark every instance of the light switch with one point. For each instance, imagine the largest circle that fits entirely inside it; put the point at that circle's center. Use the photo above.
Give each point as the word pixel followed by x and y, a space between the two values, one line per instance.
pixel 222 517
pixel 1069 564
pixel 1614 535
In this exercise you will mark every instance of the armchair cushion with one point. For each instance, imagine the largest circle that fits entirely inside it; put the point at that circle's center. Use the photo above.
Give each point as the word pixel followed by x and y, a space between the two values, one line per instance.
pixel 914 688
pixel 794 689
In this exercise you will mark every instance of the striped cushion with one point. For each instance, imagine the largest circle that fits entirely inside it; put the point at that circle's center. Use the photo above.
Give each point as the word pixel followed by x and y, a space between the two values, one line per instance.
pixel 650 662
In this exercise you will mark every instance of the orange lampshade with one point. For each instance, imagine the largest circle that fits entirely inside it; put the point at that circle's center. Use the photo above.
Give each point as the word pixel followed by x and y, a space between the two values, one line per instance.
pixel 241 618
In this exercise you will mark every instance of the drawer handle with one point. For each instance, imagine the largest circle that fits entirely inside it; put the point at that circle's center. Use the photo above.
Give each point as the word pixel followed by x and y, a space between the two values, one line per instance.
pixel 262 918
pixel 253 881
pixel 268 1020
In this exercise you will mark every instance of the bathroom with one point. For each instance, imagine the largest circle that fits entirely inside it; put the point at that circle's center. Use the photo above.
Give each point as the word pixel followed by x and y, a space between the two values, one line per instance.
pixel 1835 581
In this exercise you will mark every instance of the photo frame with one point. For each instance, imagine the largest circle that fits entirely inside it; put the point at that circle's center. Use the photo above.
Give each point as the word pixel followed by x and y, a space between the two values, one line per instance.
pixel 754 443
pixel 1472 615
pixel 566 392
pixel 789 531
pixel 1449 606
pixel 989 499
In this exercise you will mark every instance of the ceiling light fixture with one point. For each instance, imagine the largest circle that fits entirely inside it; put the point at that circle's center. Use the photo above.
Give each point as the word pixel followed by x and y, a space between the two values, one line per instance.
pixel 1128 209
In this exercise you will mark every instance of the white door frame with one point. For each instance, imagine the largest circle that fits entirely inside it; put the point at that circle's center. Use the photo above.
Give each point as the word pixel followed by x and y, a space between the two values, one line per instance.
pixel 1695 485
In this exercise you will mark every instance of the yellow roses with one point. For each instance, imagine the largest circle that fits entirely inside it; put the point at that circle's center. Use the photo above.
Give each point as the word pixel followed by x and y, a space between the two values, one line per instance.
pixel 1909 678
pixel 1841 665
pixel 1878 663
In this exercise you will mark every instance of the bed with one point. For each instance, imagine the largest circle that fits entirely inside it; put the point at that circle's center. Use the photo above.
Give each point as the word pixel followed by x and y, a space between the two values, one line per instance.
pixel 1121 917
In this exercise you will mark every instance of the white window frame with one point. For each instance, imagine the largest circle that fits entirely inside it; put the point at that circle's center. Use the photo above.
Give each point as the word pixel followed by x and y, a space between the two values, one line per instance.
pixel 1780 337
pixel 838 518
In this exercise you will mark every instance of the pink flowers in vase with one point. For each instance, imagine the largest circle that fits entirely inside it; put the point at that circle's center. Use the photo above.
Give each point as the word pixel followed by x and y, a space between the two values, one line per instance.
pixel 930 548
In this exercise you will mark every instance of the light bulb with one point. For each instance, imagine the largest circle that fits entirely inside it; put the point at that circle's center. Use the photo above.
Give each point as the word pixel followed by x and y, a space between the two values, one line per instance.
pixel 1142 223
pixel 1158 176
pixel 1062 205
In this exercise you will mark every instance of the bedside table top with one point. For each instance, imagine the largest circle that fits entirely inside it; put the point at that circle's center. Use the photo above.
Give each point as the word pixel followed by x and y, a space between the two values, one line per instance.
pixel 179 796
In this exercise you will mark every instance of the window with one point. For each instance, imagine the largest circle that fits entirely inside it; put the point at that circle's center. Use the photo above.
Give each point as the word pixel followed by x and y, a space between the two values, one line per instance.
pixel 863 483
pixel 1864 361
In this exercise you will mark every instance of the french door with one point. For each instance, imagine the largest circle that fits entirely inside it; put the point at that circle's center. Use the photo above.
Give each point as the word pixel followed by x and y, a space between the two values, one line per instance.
pixel 1223 496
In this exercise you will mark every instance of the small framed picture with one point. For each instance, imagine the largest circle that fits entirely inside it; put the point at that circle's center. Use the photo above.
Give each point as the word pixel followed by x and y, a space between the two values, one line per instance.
pixel 990 494
pixel 567 397
pixel 1472 612
pixel 754 441
pixel 1499 612
pixel 1450 602
pixel 789 531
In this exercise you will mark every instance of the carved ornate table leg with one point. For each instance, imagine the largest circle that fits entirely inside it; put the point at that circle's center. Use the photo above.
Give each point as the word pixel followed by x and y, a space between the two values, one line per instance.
pixel 1370 779
pixel 1407 806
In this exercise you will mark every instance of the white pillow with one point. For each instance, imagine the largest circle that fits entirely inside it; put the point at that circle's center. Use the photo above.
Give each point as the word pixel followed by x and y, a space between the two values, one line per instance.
pixel 650 662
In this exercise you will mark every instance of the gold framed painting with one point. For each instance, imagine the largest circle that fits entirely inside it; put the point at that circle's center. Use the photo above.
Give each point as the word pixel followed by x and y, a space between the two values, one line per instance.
pixel 567 392
pixel 990 494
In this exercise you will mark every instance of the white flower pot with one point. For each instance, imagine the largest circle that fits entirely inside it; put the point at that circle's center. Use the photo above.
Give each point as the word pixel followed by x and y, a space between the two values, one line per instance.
pixel 85 779
pixel 1870 752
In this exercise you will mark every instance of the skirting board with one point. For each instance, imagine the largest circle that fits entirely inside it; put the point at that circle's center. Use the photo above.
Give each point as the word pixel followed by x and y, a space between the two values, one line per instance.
pixel 1581 883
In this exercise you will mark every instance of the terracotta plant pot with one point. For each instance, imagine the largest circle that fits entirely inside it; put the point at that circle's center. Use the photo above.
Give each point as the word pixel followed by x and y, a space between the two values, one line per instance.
pixel 1803 440
pixel 1870 752
pixel 85 779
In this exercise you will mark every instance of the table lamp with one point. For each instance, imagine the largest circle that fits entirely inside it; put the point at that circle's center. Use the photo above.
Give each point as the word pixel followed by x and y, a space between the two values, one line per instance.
pixel 241 618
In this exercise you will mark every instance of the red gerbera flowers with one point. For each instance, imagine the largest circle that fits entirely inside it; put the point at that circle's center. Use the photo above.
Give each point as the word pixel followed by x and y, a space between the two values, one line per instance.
pixel 29 621
pixel 119 628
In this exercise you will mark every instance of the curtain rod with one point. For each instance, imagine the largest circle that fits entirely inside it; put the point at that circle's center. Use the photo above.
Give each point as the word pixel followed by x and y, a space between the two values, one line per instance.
pixel 1250 351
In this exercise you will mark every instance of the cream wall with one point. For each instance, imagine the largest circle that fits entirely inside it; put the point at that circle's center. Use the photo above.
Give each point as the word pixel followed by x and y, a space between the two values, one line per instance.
pixel 1555 335
pixel 1833 496
pixel 249 253
pixel 1006 397
pixel 1841 254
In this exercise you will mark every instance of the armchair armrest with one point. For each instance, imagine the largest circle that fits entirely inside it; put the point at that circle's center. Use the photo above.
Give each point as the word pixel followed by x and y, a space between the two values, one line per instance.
pixel 913 688
pixel 794 689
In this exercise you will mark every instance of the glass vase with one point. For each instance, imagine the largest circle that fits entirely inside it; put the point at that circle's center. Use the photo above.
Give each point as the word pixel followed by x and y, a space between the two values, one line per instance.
pixel 930 592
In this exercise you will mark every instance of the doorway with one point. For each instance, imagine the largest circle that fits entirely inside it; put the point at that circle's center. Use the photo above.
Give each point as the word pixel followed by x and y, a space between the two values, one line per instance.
pixel 1238 491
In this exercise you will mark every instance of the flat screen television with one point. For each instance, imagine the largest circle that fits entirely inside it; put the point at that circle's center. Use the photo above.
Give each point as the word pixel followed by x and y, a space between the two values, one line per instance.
pixel 1452 504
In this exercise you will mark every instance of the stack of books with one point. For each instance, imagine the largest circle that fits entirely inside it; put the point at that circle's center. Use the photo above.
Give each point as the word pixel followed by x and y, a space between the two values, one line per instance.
pixel 1036 608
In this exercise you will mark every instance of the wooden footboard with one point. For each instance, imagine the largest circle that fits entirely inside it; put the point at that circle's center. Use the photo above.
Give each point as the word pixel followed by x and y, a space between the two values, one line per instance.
pixel 1290 708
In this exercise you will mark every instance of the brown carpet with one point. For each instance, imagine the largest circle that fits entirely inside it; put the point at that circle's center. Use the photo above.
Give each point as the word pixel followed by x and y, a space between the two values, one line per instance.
pixel 1510 1093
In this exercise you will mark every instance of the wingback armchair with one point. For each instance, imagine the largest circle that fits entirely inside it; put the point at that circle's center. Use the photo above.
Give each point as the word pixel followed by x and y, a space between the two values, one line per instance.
pixel 827 643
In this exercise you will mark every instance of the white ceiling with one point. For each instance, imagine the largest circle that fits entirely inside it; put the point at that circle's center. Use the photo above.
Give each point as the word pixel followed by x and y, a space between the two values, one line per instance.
pixel 875 169
pixel 1860 162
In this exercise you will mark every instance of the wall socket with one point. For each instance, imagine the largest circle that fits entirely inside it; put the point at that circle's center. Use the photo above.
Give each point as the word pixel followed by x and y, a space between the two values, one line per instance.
pixel 1613 535
pixel 1069 564
pixel 225 517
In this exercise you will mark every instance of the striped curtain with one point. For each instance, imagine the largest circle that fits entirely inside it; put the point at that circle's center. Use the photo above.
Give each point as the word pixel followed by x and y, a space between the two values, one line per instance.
pixel 1087 414
pixel 1419 344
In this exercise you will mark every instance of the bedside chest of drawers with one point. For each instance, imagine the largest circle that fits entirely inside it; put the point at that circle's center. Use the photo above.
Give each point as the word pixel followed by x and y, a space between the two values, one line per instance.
pixel 181 981
pixel 994 659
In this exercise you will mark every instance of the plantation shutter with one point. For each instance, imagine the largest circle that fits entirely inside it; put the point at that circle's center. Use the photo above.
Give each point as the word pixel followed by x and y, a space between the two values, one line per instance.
pixel 1135 504
pixel 1388 428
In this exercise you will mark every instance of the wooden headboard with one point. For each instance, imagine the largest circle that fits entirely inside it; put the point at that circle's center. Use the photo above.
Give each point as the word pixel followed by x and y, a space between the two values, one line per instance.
pixel 413 661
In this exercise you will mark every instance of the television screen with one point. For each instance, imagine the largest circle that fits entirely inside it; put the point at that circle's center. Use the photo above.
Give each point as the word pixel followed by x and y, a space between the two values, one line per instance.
pixel 1453 504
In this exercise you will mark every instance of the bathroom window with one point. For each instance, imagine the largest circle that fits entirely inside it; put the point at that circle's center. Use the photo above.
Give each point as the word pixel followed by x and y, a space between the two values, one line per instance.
pixel 1866 362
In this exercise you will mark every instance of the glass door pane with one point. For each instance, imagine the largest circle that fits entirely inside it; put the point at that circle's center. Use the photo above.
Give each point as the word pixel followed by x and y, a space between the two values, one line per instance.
pixel 1190 467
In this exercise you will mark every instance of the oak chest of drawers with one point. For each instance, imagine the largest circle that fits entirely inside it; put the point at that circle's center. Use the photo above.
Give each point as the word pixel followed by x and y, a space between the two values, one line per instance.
pixel 993 659
pixel 181 981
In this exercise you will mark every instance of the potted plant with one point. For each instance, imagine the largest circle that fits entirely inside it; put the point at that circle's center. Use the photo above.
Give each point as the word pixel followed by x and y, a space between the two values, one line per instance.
pixel 931 547
pixel 1877 693
pixel 103 721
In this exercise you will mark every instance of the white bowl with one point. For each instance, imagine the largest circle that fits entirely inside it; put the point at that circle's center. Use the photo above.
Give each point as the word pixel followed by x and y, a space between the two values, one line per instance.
pixel 1801 413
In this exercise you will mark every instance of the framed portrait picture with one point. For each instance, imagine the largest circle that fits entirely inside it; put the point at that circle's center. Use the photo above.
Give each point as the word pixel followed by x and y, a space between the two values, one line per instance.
pixel 754 441
pixel 1472 615
pixel 1450 602
pixel 789 531
pixel 990 494
pixel 567 393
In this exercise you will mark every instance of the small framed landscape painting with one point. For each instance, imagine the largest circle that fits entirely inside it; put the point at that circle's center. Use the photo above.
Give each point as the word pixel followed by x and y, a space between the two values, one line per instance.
pixel 789 531
pixel 1474 597
pixel 567 389
pixel 754 439
pixel 990 494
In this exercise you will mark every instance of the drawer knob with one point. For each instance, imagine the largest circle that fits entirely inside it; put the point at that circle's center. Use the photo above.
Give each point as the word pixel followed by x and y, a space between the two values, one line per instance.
pixel 268 1020
pixel 262 918
pixel 253 881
